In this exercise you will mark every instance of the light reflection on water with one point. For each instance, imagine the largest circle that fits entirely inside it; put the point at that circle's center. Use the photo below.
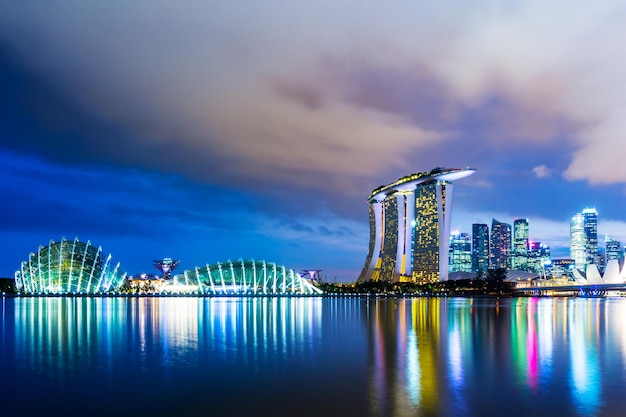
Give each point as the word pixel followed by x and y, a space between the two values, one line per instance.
pixel 312 356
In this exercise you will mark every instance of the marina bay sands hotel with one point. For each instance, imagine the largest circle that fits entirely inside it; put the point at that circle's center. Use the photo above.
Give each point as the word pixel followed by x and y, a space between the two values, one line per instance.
pixel 410 227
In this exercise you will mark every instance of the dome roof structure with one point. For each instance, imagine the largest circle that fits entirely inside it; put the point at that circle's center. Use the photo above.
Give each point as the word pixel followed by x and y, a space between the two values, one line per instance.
pixel 68 267
pixel 242 277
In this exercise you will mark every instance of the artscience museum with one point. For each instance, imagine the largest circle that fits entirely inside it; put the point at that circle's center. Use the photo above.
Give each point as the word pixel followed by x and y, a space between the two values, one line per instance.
pixel 75 267
pixel 613 274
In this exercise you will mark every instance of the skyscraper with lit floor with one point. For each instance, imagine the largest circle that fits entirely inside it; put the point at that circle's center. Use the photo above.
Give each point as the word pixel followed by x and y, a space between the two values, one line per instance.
pixel 480 248
pixel 613 249
pixel 584 238
pixel 519 261
pixel 500 245
pixel 460 252
pixel 590 225
pixel 577 241
pixel 410 227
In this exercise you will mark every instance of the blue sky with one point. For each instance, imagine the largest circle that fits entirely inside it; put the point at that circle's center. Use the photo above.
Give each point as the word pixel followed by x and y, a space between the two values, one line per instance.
pixel 216 130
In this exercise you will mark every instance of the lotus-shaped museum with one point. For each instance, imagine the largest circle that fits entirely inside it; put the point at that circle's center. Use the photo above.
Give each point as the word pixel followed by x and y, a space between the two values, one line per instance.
pixel 613 274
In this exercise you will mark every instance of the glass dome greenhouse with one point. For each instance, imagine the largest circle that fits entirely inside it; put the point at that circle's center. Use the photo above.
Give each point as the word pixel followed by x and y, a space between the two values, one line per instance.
pixel 242 277
pixel 69 267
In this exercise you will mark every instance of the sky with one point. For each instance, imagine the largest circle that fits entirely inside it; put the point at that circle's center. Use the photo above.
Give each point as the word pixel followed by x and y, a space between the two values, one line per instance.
pixel 214 130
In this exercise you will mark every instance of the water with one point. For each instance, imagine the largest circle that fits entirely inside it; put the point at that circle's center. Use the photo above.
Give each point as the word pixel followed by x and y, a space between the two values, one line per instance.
pixel 312 357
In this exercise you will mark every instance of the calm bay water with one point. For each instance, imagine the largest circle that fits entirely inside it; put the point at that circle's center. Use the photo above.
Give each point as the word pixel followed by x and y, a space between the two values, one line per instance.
pixel 312 357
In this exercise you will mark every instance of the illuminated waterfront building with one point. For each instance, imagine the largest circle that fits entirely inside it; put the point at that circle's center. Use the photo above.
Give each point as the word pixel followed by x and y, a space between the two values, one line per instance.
pixel 460 252
pixel 500 245
pixel 480 247
pixel 519 261
pixel 613 274
pixel 68 267
pixel 241 277
pixel 410 226
pixel 74 267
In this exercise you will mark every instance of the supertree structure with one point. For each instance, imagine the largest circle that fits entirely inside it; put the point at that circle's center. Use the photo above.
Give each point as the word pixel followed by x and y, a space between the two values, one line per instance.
pixel 166 266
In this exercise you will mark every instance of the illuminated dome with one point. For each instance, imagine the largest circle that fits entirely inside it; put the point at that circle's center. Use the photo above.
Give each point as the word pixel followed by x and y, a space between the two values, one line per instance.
pixel 241 277
pixel 68 267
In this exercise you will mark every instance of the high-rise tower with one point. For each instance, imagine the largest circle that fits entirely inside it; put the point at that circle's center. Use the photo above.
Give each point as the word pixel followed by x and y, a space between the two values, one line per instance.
pixel 590 225
pixel 577 241
pixel 584 238
pixel 500 245
pixel 613 249
pixel 460 252
pixel 410 227
pixel 519 261
pixel 480 248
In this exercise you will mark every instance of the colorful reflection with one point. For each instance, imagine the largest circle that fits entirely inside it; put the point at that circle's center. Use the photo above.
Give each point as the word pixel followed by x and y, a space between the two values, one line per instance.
pixel 61 337
pixel 475 356
pixel 316 356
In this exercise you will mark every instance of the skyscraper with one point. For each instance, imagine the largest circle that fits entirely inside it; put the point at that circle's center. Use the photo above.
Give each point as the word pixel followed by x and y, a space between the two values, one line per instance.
pixel 538 258
pixel 519 261
pixel 410 227
pixel 613 249
pixel 590 224
pixel 460 252
pixel 584 238
pixel 500 245
pixel 480 248
pixel 577 241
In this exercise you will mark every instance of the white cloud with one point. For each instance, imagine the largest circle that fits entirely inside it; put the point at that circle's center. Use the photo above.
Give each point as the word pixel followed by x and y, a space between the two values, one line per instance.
pixel 542 171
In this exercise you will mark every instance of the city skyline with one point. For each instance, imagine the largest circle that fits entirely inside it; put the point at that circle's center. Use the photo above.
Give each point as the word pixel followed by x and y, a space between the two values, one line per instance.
pixel 213 132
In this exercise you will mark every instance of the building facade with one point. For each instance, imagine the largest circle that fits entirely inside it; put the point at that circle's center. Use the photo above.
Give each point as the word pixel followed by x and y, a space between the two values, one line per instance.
pixel 577 241
pixel 584 239
pixel 613 249
pixel 460 252
pixel 500 245
pixel 410 226
pixel 480 248
pixel 590 225
pixel 519 260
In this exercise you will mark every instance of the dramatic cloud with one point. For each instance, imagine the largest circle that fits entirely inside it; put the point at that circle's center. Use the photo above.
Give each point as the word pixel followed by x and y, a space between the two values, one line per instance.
pixel 288 92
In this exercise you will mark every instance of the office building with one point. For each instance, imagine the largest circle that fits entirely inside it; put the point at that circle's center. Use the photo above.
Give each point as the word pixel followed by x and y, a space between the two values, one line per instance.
pixel 500 245
pixel 577 241
pixel 519 260
pixel 460 252
pixel 480 248
pixel 590 225
pixel 613 249
pixel 584 239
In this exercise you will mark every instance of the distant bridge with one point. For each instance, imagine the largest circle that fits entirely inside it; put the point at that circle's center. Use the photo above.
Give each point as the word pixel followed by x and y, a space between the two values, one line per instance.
pixel 580 290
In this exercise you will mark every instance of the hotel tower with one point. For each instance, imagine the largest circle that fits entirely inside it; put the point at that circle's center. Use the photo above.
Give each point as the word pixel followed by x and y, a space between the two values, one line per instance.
pixel 410 227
